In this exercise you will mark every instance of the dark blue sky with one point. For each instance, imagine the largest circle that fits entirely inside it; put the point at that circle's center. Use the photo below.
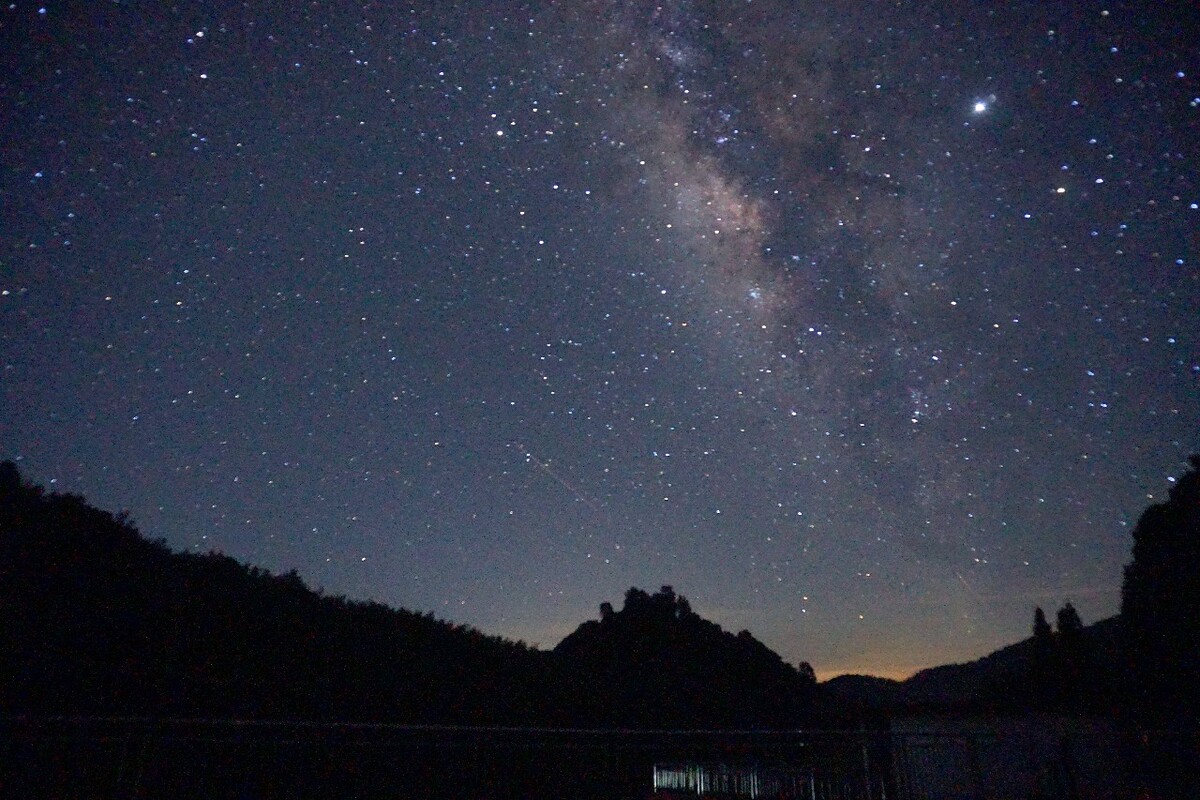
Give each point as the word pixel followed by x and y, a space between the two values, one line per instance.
pixel 868 326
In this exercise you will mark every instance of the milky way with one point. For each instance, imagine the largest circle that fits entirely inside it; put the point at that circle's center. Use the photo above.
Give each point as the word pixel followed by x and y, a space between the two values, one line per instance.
pixel 828 232
pixel 867 326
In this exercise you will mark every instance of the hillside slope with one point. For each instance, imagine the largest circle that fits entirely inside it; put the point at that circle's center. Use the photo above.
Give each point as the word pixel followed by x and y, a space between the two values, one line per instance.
pixel 97 620
pixel 1013 679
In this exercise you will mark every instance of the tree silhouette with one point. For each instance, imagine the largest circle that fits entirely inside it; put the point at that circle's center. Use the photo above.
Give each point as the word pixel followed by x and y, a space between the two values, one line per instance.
pixel 1160 603
pixel 1042 634
pixel 1043 684
pixel 1069 623
pixel 1072 661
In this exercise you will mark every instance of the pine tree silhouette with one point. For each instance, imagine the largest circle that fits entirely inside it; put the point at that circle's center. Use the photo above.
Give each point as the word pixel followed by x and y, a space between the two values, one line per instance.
pixel 1160 605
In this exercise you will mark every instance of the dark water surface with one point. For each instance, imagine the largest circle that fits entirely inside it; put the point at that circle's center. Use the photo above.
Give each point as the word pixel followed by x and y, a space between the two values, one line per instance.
pixel 915 760
pixel 196 759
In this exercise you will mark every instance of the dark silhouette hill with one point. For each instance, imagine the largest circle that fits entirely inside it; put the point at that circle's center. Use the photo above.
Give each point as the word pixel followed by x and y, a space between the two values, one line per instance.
pixel 1141 663
pixel 97 620
pixel 1014 679
pixel 1011 678
pixel 656 663
pixel 858 696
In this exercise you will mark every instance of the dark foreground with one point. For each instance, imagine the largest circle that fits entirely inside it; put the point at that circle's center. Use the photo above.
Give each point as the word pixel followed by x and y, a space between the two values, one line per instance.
pixel 926 760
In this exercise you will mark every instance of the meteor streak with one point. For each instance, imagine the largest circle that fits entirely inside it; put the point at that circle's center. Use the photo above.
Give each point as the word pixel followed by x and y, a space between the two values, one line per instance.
pixel 545 467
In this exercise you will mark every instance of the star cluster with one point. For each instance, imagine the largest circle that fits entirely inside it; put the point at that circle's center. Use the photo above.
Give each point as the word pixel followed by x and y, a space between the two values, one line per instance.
pixel 867 326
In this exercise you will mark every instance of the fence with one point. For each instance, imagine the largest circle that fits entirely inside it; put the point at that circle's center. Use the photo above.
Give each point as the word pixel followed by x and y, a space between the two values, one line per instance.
pixel 1030 758
pixel 124 759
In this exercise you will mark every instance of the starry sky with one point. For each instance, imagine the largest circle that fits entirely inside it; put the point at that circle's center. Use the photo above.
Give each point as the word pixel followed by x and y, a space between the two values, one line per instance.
pixel 868 326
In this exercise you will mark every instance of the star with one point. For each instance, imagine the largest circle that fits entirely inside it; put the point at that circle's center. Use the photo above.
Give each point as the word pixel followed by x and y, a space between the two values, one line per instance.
pixel 348 305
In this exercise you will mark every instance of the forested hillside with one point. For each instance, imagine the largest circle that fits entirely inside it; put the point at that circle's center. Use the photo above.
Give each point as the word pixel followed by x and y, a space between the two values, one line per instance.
pixel 98 620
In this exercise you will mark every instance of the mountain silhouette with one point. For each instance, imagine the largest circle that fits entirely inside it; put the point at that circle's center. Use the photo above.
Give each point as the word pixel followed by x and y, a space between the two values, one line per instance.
pixel 95 619
pixel 656 663
pixel 1009 680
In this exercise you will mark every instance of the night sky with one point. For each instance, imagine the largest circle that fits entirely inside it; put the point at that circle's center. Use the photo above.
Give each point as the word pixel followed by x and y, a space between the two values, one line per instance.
pixel 867 326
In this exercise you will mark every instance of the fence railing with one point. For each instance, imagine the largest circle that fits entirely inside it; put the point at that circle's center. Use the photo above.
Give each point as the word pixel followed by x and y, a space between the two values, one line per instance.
pixel 123 759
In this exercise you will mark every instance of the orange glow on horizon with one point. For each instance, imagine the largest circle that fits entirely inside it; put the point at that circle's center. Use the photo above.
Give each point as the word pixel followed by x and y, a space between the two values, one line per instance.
pixel 894 673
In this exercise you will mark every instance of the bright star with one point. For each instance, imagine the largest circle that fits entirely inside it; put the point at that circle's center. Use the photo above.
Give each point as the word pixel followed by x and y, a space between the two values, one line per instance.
pixel 983 105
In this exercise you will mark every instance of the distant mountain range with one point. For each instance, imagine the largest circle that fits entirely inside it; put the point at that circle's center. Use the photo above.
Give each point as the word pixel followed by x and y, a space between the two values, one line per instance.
pixel 1001 680
pixel 101 627
pixel 97 620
